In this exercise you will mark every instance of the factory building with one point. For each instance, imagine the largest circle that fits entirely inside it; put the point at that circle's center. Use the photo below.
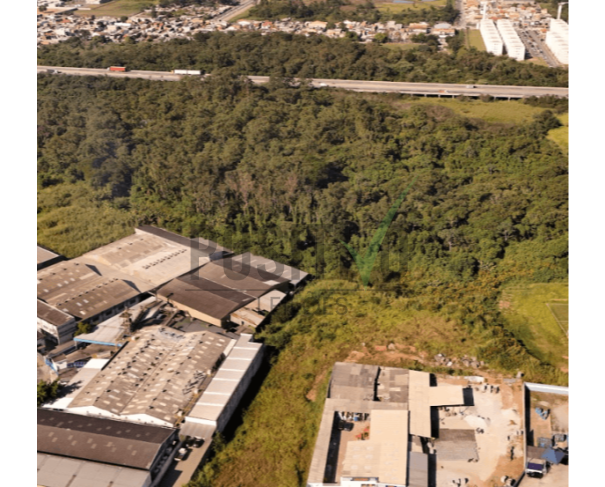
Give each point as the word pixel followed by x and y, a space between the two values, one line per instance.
pixel 216 406
pixel 54 324
pixel 104 282
pixel 557 40
pixel 154 378
pixel 514 46
pixel 77 451
pixel 390 410
pixel 491 37
pixel 240 290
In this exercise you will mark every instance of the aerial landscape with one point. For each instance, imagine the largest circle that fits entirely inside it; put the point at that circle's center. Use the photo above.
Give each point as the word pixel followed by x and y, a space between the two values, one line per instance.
pixel 302 243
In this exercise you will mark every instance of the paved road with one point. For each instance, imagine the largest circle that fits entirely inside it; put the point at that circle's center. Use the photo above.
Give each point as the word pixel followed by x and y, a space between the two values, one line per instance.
pixel 426 89
pixel 546 53
pixel 235 11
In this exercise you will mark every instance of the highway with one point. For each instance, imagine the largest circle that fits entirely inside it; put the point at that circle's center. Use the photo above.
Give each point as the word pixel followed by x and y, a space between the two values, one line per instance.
pixel 421 89
pixel 235 11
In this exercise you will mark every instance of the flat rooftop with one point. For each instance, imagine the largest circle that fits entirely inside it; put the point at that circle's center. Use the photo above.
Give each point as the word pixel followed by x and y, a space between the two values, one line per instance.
pixel 383 406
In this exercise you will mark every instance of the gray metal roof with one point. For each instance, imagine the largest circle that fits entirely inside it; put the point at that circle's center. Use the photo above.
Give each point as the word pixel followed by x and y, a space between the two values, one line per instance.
pixel 57 471
pixel 155 375
pixel 269 266
pixel 52 315
pixel 204 295
pixel 100 439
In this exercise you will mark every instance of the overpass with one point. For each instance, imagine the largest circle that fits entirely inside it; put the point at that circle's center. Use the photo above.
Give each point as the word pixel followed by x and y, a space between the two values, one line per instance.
pixel 421 89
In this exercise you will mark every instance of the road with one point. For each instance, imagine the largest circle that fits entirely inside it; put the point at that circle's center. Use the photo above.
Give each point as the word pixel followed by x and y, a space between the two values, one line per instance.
pixel 551 60
pixel 422 89
pixel 235 11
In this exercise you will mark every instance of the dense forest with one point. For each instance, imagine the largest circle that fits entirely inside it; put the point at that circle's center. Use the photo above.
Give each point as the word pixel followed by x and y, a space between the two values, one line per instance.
pixel 286 55
pixel 339 10
pixel 289 173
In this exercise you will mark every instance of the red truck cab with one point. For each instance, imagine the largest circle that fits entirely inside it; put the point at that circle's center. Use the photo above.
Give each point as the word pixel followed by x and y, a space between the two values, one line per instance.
pixel 117 68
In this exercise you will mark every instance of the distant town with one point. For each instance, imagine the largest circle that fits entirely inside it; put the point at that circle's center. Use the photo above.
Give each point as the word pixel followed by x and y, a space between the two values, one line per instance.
pixel 519 29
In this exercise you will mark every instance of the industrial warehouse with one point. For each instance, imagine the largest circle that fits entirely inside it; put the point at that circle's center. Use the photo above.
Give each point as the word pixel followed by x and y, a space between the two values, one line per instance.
pixel 151 333
pixel 371 417
pixel 77 451
pixel 195 276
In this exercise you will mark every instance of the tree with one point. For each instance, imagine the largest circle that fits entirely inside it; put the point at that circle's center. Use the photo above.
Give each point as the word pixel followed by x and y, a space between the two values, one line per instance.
pixel 47 391
pixel 42 8
pixel 83 328
pixel 380 38
pixel 123 18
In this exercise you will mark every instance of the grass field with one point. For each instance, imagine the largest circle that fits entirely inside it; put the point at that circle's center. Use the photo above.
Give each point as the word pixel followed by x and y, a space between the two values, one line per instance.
pixel 560 136
pixel 118 8
pixel 474 39
pixel 535 60
pixel 400 7
pixel 498 111
pixel 531 319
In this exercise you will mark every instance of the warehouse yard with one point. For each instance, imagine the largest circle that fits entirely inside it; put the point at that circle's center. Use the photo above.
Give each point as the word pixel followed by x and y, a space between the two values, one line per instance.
pixel 487 436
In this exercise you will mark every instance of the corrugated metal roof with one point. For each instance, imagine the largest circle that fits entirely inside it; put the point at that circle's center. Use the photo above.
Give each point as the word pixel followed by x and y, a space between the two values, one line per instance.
pixel 57 471
pixel 100 439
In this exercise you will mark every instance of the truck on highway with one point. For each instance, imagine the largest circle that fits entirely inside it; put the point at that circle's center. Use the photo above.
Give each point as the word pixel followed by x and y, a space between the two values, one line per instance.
pixel 119 69
pixel 191 72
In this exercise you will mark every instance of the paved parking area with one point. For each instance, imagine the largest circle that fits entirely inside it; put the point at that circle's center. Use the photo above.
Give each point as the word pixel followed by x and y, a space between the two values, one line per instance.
pixel 179 473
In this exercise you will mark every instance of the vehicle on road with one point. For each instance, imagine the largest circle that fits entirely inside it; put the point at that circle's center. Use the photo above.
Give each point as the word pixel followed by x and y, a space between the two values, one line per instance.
pixel 181 454
pixel 470 86
pixel 191 72
pixel 322 85
pixel 119 69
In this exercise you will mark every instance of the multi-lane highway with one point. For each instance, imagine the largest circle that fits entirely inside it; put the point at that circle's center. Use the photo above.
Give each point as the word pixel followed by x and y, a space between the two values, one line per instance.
pixel 422 89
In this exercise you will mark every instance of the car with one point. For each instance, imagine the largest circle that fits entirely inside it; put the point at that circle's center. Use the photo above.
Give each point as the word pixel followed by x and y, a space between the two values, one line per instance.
pixel 181 454
pixel 469 86
pixel 322 85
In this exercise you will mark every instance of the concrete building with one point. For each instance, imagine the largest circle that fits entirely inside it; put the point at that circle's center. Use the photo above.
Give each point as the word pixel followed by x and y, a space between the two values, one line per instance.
pixel 154 378
pixel 219 401
pixel 491 37
pixel 76 451
pixel 56 325
pixel 514 46
pixel 389 409
pixel 557 40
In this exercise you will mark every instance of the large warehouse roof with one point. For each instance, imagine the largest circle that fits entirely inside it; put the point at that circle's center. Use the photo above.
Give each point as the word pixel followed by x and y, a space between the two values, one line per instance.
pixel 100 439
pixel 57 471
pixel 52 315
pixel 224 384
pixel 151 257
pixel 156 375
pixel 82 290
pixel 269 266
pixel 204 295
pixel 241 277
